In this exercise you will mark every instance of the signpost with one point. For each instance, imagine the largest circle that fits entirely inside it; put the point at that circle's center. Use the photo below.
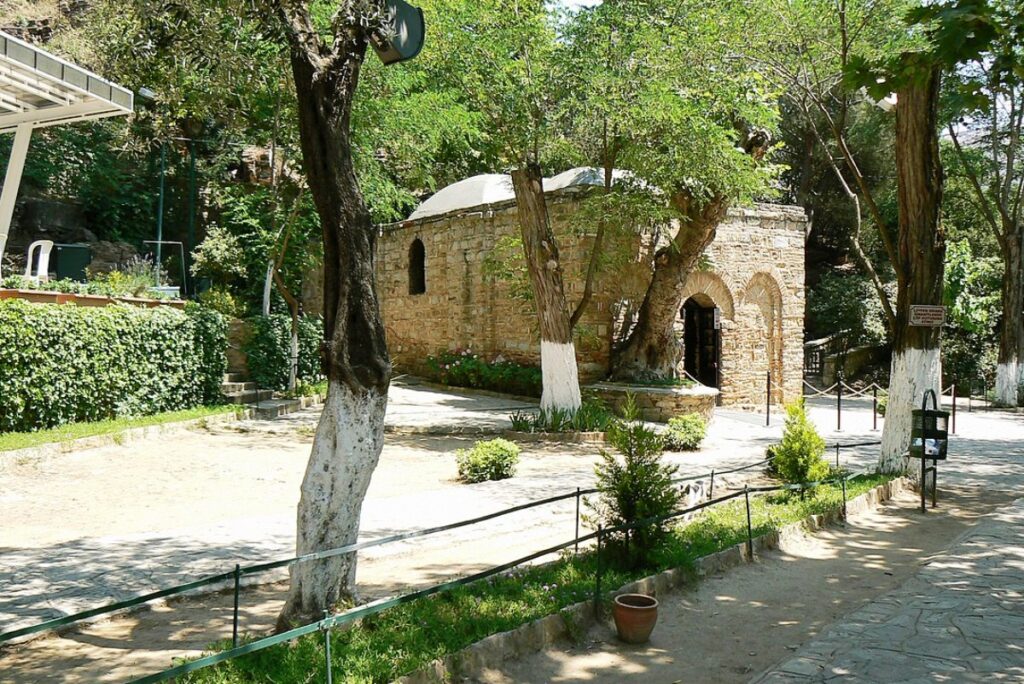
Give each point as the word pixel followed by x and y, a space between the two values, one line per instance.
pixel 927 316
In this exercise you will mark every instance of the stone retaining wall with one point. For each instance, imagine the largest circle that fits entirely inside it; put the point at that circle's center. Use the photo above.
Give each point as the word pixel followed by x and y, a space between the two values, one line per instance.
pixel 660 404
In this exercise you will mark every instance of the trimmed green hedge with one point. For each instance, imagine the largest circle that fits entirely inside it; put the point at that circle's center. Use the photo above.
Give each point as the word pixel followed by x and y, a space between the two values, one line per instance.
pixel 269 349
pixel 63 364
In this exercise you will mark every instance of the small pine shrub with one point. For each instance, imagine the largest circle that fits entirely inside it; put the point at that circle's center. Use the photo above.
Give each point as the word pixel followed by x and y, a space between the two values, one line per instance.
pixel 883 403
pixel 494 459
pixel 685 433
pixel 633 484
pixel 799 456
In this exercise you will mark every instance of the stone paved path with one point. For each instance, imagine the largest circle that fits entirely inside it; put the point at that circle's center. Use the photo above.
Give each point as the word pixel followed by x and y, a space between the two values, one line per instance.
pixel 960 619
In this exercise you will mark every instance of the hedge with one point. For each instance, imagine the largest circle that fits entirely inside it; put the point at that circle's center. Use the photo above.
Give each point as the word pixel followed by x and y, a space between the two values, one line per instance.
pixel 62 363
pixel 269 350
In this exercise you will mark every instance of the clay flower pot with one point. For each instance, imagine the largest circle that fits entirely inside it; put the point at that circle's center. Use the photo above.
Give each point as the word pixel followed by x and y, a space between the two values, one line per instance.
pixel 635 617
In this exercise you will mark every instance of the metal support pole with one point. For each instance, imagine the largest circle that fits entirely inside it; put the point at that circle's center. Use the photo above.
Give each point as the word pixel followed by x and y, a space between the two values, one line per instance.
pixel 234 621
pixel 750 529
pixel 191 214
pixel 954 408
pixel 327 651
pixel 597 574
pixel 837 456
pixel 576 546
pixel 12 181
pixel 768 401
pixel 711 489
pixel 924 483
pixel 874 409
pixel 160 211
pixel 984 391
pixel 970 396
pixel 935 483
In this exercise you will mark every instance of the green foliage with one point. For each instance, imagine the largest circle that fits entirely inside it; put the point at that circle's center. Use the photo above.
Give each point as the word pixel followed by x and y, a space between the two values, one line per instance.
pixel 220 299
pixel 134 279
pixel 798 458
pixel 67 364
pixel 845 303
pixel 592 416
pixel 466 369
pixel 494 459
pixel 685 433
pixel 219 257
pixel 634 485
pixel 269 350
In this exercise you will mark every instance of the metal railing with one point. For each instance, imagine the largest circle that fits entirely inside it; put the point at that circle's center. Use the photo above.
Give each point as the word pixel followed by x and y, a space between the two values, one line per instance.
pixel 599 536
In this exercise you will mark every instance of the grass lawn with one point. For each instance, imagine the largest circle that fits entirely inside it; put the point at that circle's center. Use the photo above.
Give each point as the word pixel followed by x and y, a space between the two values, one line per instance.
pixel 10 441
pixel 383 647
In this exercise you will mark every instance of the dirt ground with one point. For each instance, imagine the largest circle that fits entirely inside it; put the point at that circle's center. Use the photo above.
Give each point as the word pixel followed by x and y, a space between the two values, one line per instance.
pixel 741 621
pixel 732 626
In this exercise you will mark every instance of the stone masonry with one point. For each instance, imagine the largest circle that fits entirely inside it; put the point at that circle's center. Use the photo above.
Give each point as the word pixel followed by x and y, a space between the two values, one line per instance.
pixel 753 273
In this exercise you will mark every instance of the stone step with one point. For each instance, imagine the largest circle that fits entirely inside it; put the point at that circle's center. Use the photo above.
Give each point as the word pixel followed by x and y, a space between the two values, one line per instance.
pixel 237 387
pixel 235 377
pixel 249 396
pixel 269 410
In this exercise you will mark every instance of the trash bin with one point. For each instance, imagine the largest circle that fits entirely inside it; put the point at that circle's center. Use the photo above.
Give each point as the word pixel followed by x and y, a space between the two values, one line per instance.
pixel 71 261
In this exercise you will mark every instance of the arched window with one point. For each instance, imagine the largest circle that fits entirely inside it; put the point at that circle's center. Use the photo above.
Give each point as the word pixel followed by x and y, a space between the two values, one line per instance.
pixel 417 268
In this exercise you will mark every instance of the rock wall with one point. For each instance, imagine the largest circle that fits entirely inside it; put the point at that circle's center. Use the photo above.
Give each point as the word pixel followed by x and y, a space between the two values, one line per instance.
pixel 753 273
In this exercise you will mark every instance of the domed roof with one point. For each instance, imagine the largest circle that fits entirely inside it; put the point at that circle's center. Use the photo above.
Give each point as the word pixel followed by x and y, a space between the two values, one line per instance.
pixel 492 188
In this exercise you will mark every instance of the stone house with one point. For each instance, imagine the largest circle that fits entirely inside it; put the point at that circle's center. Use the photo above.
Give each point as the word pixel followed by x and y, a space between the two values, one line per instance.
pixel 742 315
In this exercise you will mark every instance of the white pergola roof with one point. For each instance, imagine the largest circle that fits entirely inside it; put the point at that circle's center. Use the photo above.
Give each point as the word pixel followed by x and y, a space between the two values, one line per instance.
pixel 40 89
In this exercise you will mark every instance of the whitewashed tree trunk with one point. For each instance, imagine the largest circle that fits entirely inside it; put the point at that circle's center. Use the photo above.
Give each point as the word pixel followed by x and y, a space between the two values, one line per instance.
pixel 560 376
pixel 913 372
pixel 1009 377
pixel 345 452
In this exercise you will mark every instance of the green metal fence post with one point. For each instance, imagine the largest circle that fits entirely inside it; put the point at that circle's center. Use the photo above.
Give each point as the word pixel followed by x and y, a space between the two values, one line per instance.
pixel 750 529
pixel 576 547
pixel 234 621
pixel 327 649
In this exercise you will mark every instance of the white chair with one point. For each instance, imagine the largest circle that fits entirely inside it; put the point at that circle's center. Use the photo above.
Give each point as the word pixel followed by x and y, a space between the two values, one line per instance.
pixel 42 274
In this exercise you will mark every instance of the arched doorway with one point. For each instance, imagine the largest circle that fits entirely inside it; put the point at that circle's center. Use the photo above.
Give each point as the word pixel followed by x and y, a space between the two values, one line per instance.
pixel 702 341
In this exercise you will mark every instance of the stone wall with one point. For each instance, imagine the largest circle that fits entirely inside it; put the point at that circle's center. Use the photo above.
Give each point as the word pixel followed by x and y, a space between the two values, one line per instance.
pixel 753 272
pixel 659 404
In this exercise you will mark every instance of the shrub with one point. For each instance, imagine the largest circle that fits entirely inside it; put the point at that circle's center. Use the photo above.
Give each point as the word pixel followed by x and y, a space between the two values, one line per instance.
pixel 62 364
pixel 799 456
pixel 633 485
pixel 466 369
pixel 685 433
pixel 494 459
pixel 269 350
pixel 220 299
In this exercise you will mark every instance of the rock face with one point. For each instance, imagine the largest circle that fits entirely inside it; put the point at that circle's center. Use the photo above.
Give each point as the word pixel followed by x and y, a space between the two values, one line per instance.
pixel 747 298
pixel 110 256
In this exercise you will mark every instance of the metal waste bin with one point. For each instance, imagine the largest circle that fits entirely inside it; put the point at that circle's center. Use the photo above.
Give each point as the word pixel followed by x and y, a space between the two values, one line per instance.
pixel 71 261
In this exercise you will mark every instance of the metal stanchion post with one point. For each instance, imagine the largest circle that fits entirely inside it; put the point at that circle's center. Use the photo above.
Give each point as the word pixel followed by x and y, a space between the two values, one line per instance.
pixel 768 401
pixel 954 408
pixel 837 455
pixel 874 409
pixel 839 403
pixel 711 489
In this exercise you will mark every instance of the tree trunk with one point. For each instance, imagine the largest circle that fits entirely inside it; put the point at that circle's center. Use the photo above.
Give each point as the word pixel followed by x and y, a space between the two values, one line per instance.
pixel 557 352
pixel 1010 371
pixel 916 364
pixel 651 351
pixel 350 435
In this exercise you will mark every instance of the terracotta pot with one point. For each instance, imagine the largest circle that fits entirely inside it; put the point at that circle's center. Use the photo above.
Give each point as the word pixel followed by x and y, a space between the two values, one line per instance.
pixel 635 617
